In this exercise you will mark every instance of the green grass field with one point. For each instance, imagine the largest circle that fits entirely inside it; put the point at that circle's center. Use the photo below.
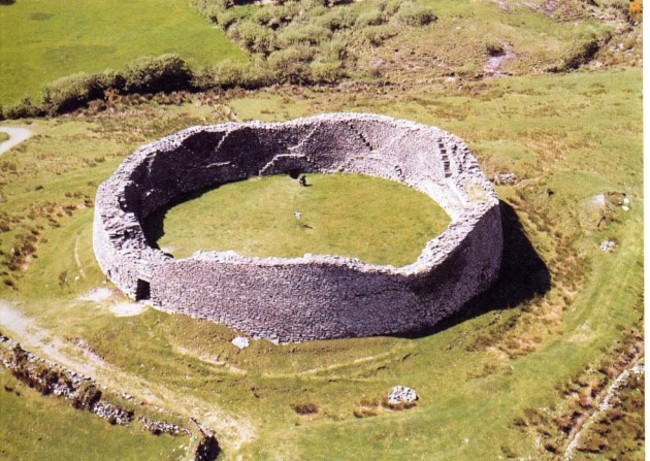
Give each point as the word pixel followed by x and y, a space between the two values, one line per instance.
pixel 41 40
pixel 375 220
pixel 568 138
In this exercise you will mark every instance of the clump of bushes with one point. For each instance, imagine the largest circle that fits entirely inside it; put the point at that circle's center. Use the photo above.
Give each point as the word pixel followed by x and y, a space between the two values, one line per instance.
pixel 229 74
pixel 148 75
pixel 297 42
pixel 308 34
pixel 254 37
pixel 291 65
pixel 294 37
pixel 25 109
pixel 412 14
pixel 69 93
pixel 335 20
pixel 377 35
pixel 370 18
pixel 164 73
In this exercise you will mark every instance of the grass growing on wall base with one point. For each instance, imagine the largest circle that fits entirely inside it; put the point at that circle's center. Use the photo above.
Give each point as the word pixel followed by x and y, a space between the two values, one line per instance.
pixel 373 219
pixel 42 40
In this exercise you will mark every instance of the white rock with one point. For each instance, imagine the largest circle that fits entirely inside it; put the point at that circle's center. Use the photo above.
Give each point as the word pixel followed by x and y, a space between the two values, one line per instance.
pixel 240 342
pixel 401 394
pixel 607 245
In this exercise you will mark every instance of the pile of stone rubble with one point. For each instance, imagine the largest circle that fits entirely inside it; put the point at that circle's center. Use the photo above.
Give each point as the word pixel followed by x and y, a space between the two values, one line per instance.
pixel 401 395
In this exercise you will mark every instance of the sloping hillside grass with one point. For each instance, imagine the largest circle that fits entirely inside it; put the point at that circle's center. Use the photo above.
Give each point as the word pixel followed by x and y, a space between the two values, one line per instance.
pixel 42 40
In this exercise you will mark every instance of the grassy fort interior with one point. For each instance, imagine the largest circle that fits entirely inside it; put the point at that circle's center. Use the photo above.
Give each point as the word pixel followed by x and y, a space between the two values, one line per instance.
pixel 375 220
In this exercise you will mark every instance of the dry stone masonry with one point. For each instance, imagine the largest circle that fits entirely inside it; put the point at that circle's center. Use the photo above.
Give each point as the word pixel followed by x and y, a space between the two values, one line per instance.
pixel 315 296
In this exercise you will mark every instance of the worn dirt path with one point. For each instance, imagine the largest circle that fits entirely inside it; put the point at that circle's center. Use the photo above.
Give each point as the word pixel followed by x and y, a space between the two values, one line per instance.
pixel 17 134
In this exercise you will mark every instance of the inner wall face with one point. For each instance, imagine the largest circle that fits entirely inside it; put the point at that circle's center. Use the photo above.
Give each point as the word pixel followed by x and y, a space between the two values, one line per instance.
pixel 313 297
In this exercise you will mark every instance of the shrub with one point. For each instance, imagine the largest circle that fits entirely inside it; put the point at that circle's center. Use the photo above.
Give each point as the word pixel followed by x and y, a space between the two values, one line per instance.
pixel 326 71
pixel 390 6
pixel 256 38
pixel 230 74
pixel 412 14
pixel 370 18
pixel 24 109
pixel 292 64
pixel 376 35
pixel 305 408
pixel 223 18
pixel 263 16
pixel 69 93
pixel 334 20
pixel 334 50
pixel 157 74
pixel 305 34
pixel 493 47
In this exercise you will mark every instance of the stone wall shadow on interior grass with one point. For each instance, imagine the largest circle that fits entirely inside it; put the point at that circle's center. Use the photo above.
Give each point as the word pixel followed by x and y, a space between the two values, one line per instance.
pixel 523 276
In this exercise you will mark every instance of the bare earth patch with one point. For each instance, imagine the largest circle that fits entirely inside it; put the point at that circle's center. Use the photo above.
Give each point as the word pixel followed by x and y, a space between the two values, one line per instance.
pixel 97 295
pixel 127 309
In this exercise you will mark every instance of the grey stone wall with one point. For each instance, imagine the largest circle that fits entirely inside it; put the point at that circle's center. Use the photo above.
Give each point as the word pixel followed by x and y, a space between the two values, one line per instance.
pixel 316 296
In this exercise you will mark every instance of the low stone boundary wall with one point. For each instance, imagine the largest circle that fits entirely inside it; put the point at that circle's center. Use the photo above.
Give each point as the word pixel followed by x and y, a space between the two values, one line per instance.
pixel 315 296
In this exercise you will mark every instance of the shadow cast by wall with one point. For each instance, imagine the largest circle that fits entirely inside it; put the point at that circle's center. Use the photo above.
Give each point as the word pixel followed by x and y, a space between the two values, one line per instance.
pixel 522 276
pixel 154 224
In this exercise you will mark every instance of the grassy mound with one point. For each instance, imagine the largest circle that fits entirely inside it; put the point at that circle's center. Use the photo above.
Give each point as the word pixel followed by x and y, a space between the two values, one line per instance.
pixel 375 220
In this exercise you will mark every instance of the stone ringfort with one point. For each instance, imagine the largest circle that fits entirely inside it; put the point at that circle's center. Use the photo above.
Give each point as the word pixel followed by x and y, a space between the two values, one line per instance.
pixel 315 296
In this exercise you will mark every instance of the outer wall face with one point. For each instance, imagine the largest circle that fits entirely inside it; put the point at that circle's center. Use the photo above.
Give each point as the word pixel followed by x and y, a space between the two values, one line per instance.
pixel 314 297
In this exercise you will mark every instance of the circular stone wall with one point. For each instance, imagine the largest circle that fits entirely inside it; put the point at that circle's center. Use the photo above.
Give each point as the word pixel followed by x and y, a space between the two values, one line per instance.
pixel 315 296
